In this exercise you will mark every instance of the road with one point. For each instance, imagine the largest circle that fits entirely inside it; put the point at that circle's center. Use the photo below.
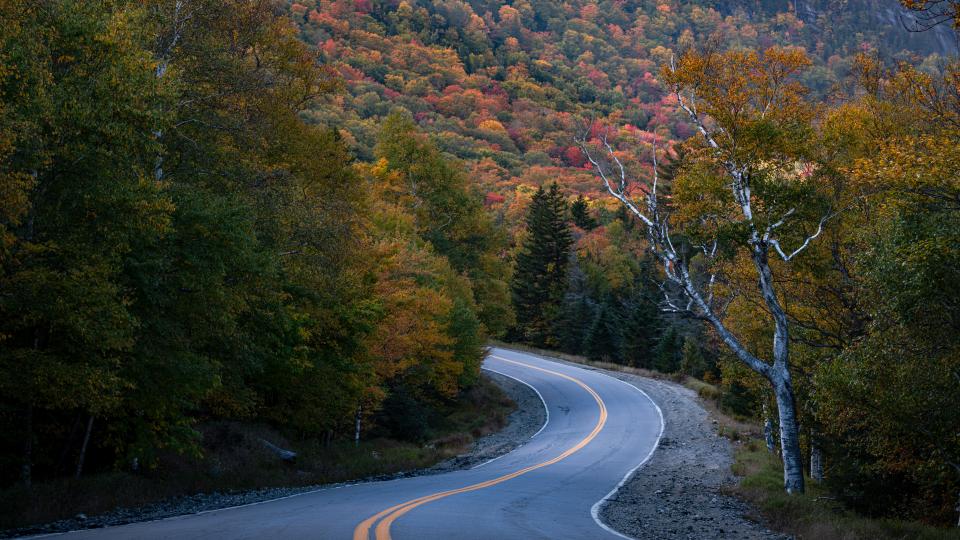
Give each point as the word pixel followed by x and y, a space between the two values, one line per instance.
pixel 598 431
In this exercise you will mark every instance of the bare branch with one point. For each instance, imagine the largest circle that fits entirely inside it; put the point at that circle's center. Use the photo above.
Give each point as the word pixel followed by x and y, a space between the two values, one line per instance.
pixel 781 221
pixel 776 244
pixel 618 194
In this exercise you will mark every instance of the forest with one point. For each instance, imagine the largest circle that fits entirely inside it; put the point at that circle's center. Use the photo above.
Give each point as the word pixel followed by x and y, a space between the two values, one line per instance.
pixel 314 215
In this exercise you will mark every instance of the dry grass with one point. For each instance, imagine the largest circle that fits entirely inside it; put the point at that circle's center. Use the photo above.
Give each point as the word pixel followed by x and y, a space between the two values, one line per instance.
pixel 815 514
pixel 235 460
pixel 729 426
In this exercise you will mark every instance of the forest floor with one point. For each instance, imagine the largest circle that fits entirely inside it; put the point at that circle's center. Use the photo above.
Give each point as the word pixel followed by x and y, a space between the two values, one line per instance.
pixel 493 419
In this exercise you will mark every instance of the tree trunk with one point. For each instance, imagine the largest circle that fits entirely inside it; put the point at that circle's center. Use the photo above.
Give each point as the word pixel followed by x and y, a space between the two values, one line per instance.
pixel 27 471
pixel 61 463
pixel 816 463
pixel 83 447
pixel 789 435
pixel 768 431
pixel 356 434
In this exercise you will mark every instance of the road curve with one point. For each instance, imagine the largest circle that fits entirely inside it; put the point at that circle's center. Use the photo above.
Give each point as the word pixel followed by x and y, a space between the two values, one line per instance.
pixel 598 431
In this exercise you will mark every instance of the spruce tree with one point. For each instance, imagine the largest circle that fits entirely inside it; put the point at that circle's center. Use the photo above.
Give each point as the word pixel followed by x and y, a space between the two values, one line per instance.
pixel 577 308
pixel 604 339
pixel 669 352
pixel 581 214
pixel 540 277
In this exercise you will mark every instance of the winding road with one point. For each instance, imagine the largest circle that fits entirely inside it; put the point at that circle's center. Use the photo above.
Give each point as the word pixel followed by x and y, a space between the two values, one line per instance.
pixel 599 430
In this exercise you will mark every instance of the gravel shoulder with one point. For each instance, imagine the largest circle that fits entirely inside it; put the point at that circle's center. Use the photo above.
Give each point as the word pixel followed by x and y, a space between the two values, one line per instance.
pixel 521 425
pixel 677 494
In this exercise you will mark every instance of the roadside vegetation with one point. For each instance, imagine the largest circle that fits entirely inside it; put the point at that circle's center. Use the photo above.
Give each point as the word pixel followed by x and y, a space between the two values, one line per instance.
pixel 816 513
pixel 304 219
pixel 233 457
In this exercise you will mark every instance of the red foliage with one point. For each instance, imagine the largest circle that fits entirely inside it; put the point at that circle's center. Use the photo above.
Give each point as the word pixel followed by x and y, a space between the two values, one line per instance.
pixel 574 157
pixel 493 199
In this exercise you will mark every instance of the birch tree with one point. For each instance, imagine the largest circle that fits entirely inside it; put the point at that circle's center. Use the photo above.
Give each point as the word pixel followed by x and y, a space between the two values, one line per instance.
pixel 753 197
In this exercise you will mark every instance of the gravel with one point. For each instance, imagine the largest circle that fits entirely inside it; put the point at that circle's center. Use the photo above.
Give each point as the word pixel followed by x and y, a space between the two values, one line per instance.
pixel 522 424
pixel 677 494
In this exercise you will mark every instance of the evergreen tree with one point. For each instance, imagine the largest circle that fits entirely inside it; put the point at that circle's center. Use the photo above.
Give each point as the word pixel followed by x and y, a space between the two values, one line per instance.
pixel 604 339
pixel 581 214
pixel 669 352
pixel 540 278
pixel 578 308
pixel 693 363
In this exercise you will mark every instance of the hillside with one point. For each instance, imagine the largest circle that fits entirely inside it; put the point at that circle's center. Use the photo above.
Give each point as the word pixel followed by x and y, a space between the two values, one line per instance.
pixel 500 85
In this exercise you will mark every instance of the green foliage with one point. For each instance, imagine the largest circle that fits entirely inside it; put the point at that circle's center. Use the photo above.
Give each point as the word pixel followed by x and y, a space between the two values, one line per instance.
pixel 669 352
pixel 692 362
pixel 540 276
pixel 581 214
pixel 178 244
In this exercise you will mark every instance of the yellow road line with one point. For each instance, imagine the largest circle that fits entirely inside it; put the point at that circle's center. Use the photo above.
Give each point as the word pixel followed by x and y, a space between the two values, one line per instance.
pixel 388 516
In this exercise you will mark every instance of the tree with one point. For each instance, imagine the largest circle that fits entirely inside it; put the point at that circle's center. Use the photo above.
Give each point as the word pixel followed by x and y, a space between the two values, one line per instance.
pixel 73 211
pixel 754 125
pixel 580 212
pixel 882 399
pixel 449 216
pixel 540 277
pixel 604 337
pixel 669 352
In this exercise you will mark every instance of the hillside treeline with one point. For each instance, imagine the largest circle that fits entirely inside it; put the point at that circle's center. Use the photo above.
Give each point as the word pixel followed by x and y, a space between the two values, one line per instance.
pixel 865 187
pixel 178 245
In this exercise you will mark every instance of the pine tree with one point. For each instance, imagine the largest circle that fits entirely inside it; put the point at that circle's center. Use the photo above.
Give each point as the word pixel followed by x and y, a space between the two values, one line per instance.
pixel 604 339
pixel 578 308
pixel 581 214
pixel 668 352
pixel 540 278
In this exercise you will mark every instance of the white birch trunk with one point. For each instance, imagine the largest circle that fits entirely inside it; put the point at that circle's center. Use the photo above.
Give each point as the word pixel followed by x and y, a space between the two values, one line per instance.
pixel 816 463
pixel 83 447
pixel 356 433
pixel 768 431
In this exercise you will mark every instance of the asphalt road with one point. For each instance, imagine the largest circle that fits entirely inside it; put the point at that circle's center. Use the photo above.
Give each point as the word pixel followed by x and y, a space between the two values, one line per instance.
pixel 599 429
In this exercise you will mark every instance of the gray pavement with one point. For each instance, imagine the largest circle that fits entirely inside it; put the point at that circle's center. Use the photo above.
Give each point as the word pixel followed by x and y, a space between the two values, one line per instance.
pixel 527 493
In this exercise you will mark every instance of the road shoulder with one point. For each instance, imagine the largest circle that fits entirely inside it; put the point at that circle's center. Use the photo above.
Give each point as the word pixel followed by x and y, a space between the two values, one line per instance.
pixel 522 423
pixel 678 493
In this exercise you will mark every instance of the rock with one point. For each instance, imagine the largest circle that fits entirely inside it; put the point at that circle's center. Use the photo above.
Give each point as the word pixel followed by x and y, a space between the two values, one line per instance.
pixel 285 455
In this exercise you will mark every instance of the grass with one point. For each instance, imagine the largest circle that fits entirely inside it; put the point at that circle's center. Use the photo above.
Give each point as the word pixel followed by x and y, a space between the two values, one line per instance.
pixel 730 426
pixel 814 514
pixel 235 460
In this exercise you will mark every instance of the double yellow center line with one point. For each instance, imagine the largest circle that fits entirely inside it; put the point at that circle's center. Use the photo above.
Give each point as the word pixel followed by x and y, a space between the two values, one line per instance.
pixel 388 516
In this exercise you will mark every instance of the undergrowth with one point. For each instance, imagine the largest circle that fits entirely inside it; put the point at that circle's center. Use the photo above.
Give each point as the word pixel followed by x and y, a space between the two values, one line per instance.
pixel 235 459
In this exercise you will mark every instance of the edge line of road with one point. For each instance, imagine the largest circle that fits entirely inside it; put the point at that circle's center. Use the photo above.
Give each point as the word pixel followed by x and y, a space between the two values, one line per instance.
pixel 539 395
pixel 595 509
pixel 382 521
pixel 545 410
